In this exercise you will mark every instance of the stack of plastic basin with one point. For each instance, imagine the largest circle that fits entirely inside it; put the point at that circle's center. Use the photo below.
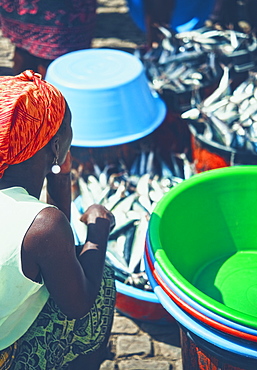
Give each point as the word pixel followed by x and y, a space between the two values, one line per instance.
pixel 201 259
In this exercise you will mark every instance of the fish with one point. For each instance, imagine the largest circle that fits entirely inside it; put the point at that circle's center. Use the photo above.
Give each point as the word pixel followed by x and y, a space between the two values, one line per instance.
pixel 123 226
pixel 139 280
pixel 131 195
pixel 139 207
pixel 103 176
pixel 187 166
pixel 142 187
pixel 221 130
pixel 233 39
pixel 167 45
pixel 229 117
pixel 157 191
pixel 239 137
pixel 212 63
pixel 114 259
pixel 95 188
pixel 177 170
pixel 115 198
pixel 240 89
pixel 249 111
pixel 142 164
pixel 124 204
pixel 145 201
pixel 97 169
pixel 188 35
pixel 241 98
pixel 86 196
pixel 78 227
pixel 130 236
pixel 193 114
pixel 221 90
pixel 166 171
pixel 150 163
pixel 165 31
pixel 215 106
pixel 134 169
pixel 137 249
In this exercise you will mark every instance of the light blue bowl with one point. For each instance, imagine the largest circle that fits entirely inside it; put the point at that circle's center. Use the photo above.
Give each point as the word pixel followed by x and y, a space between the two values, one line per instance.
pixel 109 96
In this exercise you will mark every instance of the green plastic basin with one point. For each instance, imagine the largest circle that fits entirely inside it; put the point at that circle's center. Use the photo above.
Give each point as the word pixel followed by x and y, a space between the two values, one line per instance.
pixel 203 234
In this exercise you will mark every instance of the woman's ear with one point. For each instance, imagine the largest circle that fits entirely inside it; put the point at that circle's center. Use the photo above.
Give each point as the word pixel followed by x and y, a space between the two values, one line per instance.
pixel 55 146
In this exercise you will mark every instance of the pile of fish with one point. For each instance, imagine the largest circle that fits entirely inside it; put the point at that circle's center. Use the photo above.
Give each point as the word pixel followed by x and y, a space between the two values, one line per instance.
pixel 230 46
pixel 191 60
pixel 131 196
pixel 177 65
pixel 229 117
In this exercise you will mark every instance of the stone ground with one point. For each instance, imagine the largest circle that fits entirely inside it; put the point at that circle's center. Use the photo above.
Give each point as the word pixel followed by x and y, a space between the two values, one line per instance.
pixel 143 346
pixel 133 345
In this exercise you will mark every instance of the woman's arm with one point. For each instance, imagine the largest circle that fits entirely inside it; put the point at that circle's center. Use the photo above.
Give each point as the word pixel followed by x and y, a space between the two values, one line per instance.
pixel 49 244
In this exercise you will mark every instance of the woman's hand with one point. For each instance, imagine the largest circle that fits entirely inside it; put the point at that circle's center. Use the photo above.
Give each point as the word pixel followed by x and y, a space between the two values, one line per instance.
pixel 99 222
pixel 97 211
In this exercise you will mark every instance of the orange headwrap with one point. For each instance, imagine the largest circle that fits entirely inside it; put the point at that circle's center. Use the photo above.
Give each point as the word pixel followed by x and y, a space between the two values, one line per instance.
pixel 31 112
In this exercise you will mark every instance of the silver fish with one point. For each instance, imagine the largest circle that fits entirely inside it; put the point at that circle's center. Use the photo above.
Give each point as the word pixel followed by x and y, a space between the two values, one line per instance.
pixel 95 188
pixel 130 236
pixel 86 195
pixel 143 184
pixel 121 228
pixel 221 129
pixel 138 244
pixel 124 204
pixel 221 90
pixel 116 197
pixel 193 114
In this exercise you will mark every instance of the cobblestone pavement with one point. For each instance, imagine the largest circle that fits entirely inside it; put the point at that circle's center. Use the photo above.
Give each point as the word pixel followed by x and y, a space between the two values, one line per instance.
pixel 143 346
pixel 133 345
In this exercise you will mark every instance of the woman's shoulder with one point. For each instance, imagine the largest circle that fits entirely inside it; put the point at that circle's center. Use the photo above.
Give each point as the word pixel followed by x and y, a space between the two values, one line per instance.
pixel 50 231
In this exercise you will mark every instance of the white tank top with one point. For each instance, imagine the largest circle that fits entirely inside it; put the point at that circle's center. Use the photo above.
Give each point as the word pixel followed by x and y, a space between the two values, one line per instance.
pixel 21 299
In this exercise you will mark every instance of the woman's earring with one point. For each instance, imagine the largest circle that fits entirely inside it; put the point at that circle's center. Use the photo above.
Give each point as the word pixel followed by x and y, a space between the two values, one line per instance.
pixel 56 168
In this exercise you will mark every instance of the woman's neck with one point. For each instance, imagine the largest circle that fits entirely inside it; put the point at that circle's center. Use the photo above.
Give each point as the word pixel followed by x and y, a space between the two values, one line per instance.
pixel 29 174
pixel 28 179
pixel 32 191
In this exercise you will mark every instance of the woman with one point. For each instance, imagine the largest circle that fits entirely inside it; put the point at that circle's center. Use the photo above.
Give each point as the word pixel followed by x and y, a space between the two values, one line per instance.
pixel 43 30
pixel 56 304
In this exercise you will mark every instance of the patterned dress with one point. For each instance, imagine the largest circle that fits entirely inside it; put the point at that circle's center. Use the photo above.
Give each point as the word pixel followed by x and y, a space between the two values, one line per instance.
pixel 54 340
pixel 48 28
